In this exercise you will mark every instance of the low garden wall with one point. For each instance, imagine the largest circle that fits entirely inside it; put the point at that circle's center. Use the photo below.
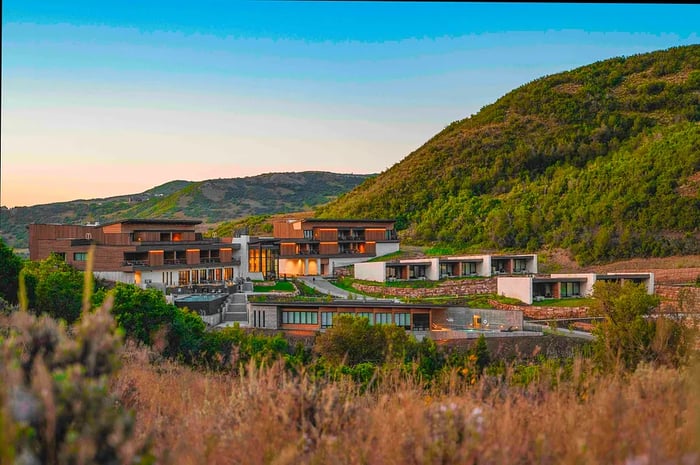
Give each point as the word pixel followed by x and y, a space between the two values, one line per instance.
pixel 446 288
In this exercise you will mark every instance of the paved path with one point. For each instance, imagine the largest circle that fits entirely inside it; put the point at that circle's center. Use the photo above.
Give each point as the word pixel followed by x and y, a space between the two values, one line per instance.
pixel 325 287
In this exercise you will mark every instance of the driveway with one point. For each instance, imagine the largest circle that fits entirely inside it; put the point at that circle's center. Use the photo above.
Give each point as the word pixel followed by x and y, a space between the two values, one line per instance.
pixel 321 285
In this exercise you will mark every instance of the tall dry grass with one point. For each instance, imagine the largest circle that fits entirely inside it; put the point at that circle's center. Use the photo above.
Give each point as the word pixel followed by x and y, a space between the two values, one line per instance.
pixel 268 416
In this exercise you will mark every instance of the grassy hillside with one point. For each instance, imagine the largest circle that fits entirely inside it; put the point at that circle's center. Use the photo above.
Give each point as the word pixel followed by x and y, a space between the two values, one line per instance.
pixel 603 160
pixel 212 201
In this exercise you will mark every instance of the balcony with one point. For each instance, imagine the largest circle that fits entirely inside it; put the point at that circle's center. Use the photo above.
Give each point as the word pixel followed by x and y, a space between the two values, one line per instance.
pixel 135 263
pixel 175 261
pixel 210 260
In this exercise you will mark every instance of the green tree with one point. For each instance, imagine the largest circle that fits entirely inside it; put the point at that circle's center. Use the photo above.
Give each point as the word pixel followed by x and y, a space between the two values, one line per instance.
pixel 354 340
pixel 142 312
pixel 481 351
pixel 627 336
pixel 54 287
pixel 10 266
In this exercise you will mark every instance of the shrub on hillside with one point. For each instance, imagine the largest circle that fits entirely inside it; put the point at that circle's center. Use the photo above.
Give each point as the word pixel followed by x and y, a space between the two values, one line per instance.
pixel 55 403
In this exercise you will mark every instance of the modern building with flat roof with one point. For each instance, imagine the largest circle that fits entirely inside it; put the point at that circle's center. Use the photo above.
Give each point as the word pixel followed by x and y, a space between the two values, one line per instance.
pixel 320 246
pixel 557 286
pixel 436 268
pixel 162 252
pixel 435 321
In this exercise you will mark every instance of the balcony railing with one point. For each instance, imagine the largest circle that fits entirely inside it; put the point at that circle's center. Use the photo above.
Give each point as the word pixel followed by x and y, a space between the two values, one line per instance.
pixel 210 260
pixel 135 263
pixel 175 261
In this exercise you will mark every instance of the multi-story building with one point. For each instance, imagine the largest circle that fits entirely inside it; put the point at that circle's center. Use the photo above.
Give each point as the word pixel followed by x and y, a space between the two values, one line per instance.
pixel 319 246
pixel 140 251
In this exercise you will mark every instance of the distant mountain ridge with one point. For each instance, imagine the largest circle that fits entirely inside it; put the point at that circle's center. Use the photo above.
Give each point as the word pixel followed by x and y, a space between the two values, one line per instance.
pixel 603 160
pixel 211 201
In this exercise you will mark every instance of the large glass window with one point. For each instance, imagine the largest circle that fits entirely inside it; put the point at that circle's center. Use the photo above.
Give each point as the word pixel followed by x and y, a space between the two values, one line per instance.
pixel 183 278
pixel 403 319
pixel 326 319
pixel 368 315
pixel 570 289
pixel 79 256
pixel 382 318
pixel 468 268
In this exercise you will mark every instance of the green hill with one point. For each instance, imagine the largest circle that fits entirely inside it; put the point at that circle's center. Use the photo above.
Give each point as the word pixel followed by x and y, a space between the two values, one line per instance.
pixel 212 201
pixel 603 160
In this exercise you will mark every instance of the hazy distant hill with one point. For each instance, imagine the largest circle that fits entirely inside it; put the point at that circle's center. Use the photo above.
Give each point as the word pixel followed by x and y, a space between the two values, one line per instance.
pixel 212 201
pixel 603 160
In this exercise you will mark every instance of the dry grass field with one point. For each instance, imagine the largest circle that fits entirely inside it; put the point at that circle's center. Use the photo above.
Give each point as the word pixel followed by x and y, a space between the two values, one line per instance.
pixel 268 416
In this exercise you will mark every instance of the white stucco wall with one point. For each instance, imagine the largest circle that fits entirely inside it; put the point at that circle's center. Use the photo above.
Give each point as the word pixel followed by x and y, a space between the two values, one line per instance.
pixel 516 287
pixel 384 248
pixel 375 271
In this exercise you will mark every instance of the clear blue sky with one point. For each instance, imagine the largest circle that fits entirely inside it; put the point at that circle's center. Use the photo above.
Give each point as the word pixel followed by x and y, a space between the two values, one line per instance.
pixel 106 98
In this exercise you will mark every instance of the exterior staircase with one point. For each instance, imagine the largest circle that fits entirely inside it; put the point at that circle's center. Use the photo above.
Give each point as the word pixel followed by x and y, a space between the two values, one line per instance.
pixel 236 309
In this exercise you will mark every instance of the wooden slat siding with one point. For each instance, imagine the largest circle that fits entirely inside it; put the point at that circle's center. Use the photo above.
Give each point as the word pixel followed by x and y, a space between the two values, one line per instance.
pixel 188 236
pixel 147 236
pixel 328 248
pixel 226 255
pixel 155 258
pixel 375 235
pixel 107 258
pixel 178 227
pixel 193 257
pixel 371 247
pixel 116 239
pixel 326 234
pixel 285 230
pixel 288 249
pixel 348 224
pixel 112 228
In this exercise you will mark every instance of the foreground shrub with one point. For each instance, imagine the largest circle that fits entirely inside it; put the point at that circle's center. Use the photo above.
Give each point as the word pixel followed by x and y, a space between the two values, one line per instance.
pixel 56 406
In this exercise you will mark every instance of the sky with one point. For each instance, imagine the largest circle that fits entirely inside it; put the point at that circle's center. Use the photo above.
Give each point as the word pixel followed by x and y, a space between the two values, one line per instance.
pixel 116 97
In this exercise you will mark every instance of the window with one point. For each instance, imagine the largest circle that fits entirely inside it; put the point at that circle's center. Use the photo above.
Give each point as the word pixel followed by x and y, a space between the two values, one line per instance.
pixel 520 265
pixel 79 256
pixel 403 319
pixel 468 268
pixel 368 315
pixel 300 318
pixel 308 234
pixel 382 318
pixel 570 289
pixel 326 319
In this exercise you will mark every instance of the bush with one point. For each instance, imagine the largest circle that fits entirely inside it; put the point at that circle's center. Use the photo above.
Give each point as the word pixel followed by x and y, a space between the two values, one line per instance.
pixel 56 406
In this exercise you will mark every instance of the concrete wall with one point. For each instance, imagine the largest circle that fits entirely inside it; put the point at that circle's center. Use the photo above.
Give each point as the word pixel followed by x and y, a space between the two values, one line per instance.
pixel 515 287
pixel 270 318
pixel 462 317
pixel 432 271
pixel 375 271
pixel 384 248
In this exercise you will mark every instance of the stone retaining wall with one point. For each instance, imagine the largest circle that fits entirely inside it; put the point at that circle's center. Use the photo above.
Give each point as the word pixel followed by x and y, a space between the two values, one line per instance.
pixel 671 296
pixel 543 313
pixel 446 288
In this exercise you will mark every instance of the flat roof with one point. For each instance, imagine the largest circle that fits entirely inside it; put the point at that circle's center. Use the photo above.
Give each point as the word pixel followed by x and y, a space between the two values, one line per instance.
pixel 623 276
pixel 328 220
pixel 525 255
pixel 151 221
pixel 559 280
pixel 460 260
pixel 352 303
pixel 408 263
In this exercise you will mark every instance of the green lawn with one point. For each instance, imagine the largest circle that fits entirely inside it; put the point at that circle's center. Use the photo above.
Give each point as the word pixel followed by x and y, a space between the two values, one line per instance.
pixel 280 286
